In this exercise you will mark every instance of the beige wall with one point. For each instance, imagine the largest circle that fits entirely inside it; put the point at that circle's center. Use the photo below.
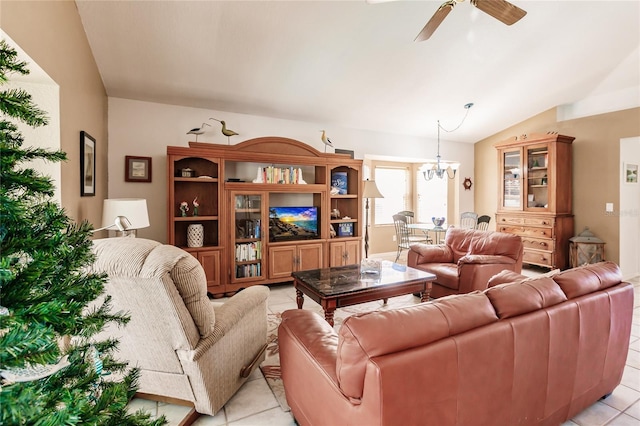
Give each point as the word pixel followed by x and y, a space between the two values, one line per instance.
pixel 147 128
pixel 51 33
pixel 596 167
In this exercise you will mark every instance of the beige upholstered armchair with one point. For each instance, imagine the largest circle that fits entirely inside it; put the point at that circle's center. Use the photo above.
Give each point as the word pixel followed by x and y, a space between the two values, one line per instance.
pixel 186 347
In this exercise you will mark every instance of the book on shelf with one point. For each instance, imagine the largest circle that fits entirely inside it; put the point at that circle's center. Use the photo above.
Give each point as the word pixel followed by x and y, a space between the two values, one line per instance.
pixel 248 228
pixel 339 183
pixel 285 175
pixel 244 271
pixel 249 251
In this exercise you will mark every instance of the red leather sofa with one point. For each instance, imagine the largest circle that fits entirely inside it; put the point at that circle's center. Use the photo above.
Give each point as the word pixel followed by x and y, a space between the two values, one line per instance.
pixel 535 352
pixel 467 259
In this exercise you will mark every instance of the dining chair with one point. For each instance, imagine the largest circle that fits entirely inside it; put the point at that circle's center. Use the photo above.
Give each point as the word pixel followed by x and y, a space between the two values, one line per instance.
pixel 410 216
pixel 468 220
pixel 483 222
pixel 404 236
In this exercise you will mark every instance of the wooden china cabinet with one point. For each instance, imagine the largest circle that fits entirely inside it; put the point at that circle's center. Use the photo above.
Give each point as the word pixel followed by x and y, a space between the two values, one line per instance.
pixel 240 187
pixel 535 196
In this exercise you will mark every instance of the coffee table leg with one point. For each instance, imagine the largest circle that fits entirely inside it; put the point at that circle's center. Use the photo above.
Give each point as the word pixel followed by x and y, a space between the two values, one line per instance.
pixel 328 315
pixel 426 293
pixel 299 298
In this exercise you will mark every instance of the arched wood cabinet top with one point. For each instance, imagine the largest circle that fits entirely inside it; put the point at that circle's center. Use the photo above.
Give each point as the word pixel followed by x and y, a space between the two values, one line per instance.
pixel 276 145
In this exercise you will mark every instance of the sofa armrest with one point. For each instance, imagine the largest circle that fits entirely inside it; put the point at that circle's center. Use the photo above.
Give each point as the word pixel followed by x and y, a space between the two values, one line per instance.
pixel 232 312
pixel 430 253
pixel 308 356
pixel 483 259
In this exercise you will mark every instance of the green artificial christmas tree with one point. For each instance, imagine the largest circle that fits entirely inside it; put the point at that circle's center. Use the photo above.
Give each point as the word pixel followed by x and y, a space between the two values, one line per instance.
pixel 45 293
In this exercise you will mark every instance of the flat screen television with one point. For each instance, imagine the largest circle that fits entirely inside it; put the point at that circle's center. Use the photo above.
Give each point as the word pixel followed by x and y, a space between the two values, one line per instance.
pixel 293 223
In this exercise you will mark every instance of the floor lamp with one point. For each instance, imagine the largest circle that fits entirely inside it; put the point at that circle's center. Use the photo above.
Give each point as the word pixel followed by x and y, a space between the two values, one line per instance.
pixel 370 190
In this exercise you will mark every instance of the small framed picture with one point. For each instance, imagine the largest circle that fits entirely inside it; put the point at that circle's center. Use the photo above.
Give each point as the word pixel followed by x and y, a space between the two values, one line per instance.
pixel 630 173
pixel 87 165
pixel 137 169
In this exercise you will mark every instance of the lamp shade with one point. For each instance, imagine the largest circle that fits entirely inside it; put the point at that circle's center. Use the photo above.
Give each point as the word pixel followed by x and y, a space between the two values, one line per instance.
pixel 370 190
pixel 134 209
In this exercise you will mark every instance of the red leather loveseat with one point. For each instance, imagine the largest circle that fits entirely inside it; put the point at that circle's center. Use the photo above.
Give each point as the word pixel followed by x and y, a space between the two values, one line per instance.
pixel 535 352
pixel 467 259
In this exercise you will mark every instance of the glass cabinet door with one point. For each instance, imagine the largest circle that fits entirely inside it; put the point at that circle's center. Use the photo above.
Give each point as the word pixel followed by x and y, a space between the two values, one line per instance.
pixel 247 229
pixel 512 179
pixel 537 177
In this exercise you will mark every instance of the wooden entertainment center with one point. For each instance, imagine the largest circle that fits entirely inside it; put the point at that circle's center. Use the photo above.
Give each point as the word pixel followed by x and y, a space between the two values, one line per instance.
pixel 535 196
pixel 241 188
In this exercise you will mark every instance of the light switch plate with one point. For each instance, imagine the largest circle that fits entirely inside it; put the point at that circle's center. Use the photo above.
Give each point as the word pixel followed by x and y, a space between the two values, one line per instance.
pixel 609 207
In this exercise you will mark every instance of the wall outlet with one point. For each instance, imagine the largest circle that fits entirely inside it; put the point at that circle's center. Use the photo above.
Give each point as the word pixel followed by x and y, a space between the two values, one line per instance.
pixel 394 238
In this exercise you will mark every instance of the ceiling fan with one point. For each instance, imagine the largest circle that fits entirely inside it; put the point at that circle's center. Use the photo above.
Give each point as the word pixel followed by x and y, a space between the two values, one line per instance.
pixel 502 10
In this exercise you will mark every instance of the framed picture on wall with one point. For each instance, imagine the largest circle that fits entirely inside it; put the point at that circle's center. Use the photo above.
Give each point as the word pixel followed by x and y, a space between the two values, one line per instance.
pixel 137 169
pixel 630 173
pixel 87 165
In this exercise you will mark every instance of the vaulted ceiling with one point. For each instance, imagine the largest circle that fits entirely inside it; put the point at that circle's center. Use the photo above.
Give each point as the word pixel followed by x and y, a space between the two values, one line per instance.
pixel 354 64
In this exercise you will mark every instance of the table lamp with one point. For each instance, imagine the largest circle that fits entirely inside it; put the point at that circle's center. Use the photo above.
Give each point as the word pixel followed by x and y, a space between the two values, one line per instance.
pixel 370 190
pixel 126 214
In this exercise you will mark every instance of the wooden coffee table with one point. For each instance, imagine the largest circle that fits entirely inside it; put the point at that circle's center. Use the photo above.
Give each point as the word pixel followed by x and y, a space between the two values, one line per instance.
pixel 343 286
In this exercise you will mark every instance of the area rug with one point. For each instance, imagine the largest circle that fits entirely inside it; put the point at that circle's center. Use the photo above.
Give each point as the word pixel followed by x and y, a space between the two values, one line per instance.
pixel 270 367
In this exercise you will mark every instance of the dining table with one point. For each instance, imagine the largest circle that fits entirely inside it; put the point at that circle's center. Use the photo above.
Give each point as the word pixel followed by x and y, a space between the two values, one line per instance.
pixel 437 231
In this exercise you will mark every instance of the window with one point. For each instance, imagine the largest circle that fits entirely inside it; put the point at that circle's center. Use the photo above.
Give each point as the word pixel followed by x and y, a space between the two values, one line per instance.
pixel 393 183
pixel 431 198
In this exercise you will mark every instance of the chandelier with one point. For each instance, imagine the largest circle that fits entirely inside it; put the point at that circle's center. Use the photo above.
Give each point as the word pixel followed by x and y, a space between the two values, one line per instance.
pixel 443 168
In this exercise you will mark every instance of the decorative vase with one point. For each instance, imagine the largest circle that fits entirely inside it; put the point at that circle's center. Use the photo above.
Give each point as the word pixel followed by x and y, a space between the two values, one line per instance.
pixel 195 235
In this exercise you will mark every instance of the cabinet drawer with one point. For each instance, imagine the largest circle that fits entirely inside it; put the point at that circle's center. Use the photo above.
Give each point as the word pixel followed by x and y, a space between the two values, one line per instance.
pixel 524 231
pixel 539 221
pixel 537 244
pixel 508 220
pixel 517 220
pixel 537 257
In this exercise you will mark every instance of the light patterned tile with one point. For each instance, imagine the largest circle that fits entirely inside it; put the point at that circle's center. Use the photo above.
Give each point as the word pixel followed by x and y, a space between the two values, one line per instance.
pixel 282 306
pixel 622 397
pixel 146 405
pixel 173 413
pixel 596 415
pixel 631 377
pixel 255 375
pixel 624 420
pixel 272 417
pixel 253 397
pixel 634 411
pixel 219 419
pixel 633 359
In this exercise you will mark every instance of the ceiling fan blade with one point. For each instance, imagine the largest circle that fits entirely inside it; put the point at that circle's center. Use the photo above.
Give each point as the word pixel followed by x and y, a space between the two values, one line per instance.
pixel 436 20
pixel 502 10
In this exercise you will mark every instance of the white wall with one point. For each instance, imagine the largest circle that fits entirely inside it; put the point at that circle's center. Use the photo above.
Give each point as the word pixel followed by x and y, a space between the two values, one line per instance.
pixel 45 94
pixel 629 211
pixel 146 129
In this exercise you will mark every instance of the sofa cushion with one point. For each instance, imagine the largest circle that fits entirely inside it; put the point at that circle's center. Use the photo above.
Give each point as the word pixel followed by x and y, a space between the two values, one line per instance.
pixel 512 299
pixel 588 278
pixel 372 334
pixel 446 273
pixel 458 240
pixel 469 241
pixel 497 244
pixel 504 277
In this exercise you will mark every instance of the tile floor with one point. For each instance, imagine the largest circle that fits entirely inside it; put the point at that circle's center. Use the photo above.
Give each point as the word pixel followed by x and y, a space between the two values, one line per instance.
pixel 254 404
